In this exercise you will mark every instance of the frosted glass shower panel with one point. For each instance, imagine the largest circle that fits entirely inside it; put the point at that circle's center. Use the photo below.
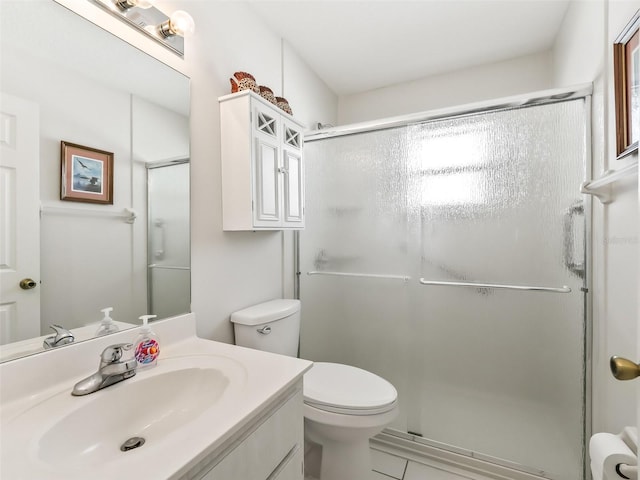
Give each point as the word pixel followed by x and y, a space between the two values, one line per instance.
pixel 168 239
pixel 354 255
pixel 500 204
pixel 501 188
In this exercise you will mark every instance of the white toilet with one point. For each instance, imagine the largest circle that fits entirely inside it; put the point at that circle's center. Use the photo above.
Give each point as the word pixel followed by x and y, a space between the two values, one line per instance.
pixel 344 406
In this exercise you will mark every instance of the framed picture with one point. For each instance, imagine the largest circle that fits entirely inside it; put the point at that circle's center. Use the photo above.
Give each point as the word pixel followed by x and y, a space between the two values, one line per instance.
pixel 87 174
pixel 626 68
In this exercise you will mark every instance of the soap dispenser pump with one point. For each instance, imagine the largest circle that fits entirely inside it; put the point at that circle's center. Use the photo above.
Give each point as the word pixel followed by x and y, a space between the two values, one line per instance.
pixel 147 345
pixel 107 324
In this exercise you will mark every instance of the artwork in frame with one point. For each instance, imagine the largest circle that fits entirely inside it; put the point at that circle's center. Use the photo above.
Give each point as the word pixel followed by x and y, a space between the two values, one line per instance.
pixel 87 174
pixel 626 67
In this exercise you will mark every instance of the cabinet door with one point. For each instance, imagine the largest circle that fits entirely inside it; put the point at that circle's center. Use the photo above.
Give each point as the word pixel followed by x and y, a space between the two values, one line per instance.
pixel 266 168
pixel 293 469
pixel 293 172
pixel 272 451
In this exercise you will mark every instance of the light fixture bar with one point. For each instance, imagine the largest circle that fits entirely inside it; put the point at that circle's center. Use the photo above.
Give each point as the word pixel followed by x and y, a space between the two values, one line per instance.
pixel 149 21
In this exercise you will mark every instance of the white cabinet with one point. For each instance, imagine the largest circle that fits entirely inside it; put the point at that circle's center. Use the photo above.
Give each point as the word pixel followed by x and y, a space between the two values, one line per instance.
pixel 262 165
pixel 270 450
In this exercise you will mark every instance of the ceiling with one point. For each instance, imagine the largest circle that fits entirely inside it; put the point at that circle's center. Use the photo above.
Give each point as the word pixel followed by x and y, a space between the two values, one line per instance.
pixel 356 46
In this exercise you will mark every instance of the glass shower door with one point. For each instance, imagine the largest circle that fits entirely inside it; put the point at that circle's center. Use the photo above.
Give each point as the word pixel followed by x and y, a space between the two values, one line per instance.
pixel 502 369
pixel 169 273
pixel 354 256
pixel 400 221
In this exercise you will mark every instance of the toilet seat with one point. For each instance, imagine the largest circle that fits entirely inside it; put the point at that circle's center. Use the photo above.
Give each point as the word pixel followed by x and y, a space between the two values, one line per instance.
pixel 347 390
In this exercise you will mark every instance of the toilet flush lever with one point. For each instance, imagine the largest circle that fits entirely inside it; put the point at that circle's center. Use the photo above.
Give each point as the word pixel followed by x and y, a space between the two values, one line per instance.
pixel 266 330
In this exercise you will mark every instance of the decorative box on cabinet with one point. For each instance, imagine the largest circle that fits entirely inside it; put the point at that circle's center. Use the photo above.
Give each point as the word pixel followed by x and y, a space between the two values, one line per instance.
pixel 262 165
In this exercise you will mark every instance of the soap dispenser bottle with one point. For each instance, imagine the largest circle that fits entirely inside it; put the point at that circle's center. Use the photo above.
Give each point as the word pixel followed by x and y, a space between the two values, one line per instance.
pixel 147 345
pixel 107 324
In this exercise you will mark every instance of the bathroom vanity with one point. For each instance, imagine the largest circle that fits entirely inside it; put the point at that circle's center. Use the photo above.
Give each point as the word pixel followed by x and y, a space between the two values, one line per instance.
pixel 208 410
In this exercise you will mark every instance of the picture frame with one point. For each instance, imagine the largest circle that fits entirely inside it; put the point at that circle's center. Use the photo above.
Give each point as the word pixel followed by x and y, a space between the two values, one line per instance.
pixel 626 68
pixel 86 174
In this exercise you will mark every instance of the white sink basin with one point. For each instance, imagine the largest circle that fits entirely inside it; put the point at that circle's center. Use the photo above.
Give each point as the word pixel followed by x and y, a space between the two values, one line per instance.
pixel 190 408
pixel 87 432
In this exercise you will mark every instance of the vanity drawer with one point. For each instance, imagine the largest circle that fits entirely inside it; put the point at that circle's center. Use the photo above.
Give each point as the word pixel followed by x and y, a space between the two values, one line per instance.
pixel 293 468
pixel 270 450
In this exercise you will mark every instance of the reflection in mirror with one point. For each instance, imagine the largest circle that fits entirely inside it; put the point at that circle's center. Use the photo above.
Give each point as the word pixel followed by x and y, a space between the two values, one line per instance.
pixel 65 79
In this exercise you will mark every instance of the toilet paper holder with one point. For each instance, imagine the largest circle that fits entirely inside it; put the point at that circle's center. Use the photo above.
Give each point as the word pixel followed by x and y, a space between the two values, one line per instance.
pixel 614 455
pixel 627 471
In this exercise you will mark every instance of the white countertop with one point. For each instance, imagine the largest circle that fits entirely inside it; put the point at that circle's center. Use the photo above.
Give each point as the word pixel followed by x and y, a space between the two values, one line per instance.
pixel 11 351
pixel 256 380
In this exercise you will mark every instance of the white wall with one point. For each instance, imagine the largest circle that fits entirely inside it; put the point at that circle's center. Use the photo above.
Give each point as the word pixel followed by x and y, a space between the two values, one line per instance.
pixel 501 79
pixel 583 54
pixel 232 270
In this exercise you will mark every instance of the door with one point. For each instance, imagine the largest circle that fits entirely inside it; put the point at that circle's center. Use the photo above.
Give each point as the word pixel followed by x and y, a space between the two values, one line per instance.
pixel 19 220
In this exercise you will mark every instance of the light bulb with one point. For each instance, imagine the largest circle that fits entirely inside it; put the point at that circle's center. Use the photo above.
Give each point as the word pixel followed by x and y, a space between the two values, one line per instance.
pixel 144 3
pixel 180 23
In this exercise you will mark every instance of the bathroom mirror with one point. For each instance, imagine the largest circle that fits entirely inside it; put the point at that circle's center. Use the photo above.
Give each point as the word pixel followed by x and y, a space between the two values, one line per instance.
pixel 71 81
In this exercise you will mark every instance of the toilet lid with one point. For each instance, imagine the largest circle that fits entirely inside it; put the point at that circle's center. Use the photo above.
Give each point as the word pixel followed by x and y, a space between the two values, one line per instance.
pixel 335 387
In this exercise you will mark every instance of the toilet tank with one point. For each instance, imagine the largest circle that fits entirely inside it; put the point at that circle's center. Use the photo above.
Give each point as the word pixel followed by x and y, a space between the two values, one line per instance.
pixel 272 326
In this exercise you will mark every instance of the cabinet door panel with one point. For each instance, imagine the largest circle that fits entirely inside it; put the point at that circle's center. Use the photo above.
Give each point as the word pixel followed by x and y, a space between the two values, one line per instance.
pixel 273 449
pixel 266 209
pixel 293 188
pixel 266 122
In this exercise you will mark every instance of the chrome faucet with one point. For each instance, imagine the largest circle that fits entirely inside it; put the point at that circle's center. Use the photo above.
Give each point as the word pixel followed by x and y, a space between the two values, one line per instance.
pixel 62 337
pixel 113 369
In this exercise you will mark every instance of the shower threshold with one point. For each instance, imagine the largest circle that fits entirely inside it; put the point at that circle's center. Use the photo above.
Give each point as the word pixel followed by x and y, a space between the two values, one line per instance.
pixel 451 459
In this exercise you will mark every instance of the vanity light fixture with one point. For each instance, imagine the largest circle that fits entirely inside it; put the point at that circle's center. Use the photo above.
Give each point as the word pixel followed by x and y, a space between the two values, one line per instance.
pixel 169 31
pixel 127 4
pixel 179 23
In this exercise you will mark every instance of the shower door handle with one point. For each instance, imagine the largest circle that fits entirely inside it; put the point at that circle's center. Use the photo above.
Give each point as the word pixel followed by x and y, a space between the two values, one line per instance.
pixel 158 253
pixel 577 268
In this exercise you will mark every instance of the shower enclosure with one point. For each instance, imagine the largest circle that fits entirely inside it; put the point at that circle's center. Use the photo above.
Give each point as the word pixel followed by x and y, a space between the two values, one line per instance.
pixel 447 253
pixel 168 252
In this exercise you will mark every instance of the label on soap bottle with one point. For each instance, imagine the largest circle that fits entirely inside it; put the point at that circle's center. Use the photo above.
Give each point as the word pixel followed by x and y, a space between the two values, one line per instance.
pixel 147 351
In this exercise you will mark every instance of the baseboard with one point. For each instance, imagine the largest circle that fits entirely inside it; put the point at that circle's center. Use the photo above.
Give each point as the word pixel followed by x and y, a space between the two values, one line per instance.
pixel 455 463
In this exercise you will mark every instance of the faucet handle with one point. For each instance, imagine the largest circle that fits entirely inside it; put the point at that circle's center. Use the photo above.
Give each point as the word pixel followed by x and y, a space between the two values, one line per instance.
pixel 114 353
pixel 61 337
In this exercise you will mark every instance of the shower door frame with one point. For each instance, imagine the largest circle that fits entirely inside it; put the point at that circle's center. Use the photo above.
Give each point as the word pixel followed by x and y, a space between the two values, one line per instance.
pixel 149 261
pixel 585 91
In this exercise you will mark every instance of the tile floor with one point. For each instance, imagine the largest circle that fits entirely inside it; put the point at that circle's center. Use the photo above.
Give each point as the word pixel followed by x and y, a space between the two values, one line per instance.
pixel 388 467
pixel 392 467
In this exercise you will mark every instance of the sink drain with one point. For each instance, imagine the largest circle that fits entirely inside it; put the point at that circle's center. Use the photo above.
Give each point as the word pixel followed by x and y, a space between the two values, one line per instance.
pixel 133 442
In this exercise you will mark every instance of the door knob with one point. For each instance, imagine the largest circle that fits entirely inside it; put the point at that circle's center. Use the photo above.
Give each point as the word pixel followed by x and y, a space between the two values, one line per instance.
pixel 27 284
pixel 624 369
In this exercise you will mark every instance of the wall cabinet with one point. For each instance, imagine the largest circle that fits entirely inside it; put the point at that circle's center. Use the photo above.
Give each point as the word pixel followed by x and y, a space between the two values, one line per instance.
pixel 262 165
pixel 272 449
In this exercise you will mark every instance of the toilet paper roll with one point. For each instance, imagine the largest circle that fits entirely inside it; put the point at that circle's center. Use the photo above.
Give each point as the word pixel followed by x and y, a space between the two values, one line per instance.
pixel 607 451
